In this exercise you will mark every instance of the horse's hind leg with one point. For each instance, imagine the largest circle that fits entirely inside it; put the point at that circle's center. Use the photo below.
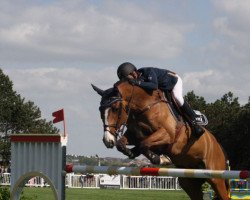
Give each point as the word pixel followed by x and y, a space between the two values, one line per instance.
pixel 192 187
pixel 219 186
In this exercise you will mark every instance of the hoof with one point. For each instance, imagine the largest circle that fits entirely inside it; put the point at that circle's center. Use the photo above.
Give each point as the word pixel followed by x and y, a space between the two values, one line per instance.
pixel 155 159
pixel 131 155
pixel 164 160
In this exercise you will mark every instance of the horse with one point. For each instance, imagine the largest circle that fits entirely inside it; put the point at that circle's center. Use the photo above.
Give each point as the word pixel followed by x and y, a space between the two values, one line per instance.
pixel 153 130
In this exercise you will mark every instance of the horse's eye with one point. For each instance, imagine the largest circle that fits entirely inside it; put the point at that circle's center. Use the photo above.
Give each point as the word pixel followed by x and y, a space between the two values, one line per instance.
pixel 114 109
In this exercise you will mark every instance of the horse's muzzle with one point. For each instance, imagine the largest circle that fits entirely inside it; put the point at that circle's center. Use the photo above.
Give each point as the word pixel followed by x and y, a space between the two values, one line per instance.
pixel 109 145
pixel 109 140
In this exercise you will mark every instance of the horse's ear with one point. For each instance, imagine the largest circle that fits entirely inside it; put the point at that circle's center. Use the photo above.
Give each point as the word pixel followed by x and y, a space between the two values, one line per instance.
pixel 98 90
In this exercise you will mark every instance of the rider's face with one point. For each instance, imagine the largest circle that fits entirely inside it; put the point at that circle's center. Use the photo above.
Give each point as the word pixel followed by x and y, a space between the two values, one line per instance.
pixel 132 75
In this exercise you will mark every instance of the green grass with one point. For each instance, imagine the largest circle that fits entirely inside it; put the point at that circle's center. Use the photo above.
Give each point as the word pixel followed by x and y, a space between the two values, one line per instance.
pixel 105 194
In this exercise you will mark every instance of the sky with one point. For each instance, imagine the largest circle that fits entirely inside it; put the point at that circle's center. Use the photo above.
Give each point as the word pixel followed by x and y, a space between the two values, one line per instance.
pixel 53 50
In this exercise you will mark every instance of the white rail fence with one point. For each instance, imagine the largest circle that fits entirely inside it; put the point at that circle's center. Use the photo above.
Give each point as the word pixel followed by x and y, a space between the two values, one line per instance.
pixel 106 181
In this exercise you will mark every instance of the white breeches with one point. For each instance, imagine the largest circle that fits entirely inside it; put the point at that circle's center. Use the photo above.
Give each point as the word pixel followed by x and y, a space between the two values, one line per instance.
pixel 177 91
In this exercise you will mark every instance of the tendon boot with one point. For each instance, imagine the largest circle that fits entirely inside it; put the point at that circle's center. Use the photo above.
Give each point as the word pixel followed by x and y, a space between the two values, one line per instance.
pixel 190 116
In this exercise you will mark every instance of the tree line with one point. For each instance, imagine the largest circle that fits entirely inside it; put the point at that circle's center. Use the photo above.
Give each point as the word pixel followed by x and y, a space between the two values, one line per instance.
pixel 229 121
pixel 18 116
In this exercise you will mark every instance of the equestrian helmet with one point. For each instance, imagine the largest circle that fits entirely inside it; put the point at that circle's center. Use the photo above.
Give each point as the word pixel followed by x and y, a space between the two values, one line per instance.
pixel 125 69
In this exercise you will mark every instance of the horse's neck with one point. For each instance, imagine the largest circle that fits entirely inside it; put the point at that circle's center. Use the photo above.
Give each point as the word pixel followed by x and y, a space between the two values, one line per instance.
pixel 148 112
pixel 138 99
pixel 141 98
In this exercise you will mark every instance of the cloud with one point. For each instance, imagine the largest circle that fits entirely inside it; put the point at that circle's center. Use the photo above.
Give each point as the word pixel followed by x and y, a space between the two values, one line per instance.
pixel 88 32
pixel 60 86
pixel 231 27
pixel 213 84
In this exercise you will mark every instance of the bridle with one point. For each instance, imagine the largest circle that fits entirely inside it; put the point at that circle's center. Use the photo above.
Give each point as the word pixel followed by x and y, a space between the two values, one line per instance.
pixel 119 130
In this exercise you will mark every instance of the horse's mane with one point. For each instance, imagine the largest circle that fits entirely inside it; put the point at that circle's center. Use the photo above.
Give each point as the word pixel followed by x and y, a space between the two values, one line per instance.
pixel 149 92
pixel 116 84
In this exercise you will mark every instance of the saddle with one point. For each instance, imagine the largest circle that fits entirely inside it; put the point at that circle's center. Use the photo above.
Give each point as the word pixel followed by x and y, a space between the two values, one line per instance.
pixel 200 118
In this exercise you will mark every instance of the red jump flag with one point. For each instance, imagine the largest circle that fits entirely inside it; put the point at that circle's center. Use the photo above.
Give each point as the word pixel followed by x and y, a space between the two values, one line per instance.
pixel 58 116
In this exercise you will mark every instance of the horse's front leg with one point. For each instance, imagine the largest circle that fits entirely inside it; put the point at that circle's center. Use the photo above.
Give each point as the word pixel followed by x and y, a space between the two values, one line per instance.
pixel 158 138
pixel 154 158
pixel 121 146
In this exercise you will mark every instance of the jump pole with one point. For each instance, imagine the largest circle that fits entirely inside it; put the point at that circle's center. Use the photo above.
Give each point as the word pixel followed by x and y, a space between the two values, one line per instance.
pixel 187 173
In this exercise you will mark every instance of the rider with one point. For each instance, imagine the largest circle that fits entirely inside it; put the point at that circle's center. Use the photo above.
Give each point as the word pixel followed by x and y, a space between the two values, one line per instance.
pixel 150 78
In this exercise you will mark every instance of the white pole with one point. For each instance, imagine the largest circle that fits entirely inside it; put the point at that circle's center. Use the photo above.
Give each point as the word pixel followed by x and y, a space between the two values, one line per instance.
pixel 187 173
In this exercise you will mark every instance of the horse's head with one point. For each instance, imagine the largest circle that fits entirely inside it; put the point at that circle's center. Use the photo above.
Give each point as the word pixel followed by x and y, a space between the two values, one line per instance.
pixel 113 114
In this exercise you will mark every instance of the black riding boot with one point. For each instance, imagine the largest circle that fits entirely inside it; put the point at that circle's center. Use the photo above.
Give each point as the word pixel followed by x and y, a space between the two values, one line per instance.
pixel 190 116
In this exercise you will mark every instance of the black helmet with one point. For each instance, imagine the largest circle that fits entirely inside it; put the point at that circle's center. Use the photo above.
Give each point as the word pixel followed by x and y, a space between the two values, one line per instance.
pixel 125 69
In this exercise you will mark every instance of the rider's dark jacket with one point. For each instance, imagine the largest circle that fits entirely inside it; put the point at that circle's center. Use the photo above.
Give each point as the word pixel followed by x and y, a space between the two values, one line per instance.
pixel 154 78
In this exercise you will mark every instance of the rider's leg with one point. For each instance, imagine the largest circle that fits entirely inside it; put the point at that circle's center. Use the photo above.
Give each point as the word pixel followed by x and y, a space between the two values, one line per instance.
pixel 188 112
pixel 190 115
pixel 177 91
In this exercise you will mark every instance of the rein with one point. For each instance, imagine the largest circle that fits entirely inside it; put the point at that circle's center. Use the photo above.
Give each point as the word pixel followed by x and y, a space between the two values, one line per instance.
pixel 148 107
pixel 120 131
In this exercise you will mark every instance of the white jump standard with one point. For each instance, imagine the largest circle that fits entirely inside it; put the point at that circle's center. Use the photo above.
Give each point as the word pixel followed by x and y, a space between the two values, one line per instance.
pixel 38 155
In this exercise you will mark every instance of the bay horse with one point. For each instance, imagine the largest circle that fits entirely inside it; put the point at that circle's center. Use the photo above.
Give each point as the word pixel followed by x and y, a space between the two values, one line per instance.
pixel 154 130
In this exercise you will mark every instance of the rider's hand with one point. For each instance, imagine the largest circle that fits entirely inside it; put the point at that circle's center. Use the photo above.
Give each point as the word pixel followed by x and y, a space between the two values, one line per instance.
pixel 134 81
